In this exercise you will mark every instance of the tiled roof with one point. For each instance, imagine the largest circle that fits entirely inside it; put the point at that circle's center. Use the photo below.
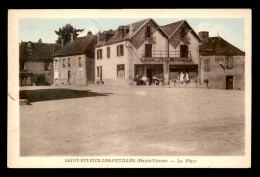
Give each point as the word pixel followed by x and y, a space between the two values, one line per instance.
pixel 37 51
pixel 217 46
pixel 78 46
pixel 170 28
pixel 116 38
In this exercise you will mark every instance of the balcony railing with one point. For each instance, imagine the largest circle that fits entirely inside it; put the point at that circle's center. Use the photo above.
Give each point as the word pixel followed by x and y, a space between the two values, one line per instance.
pixel 172 54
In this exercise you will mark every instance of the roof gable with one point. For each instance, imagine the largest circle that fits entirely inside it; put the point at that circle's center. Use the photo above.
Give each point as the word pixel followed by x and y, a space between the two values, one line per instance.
pixel 172 28
pixel 137 27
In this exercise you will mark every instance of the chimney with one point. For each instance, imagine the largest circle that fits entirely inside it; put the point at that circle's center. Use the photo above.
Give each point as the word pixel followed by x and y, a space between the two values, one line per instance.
pixel 71 37
pixel 89 33
pixel 204 35
pixel 98 37
pixel 131 29
pixel 29 44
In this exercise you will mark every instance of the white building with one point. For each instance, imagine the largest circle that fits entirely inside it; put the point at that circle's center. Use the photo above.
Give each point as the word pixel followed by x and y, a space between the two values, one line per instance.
pixel 145 48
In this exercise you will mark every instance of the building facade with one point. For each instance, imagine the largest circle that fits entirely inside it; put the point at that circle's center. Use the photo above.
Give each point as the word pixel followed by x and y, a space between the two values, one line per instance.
pixel 36 63
pixel 145 48
pixel 222 64
pixel 74 62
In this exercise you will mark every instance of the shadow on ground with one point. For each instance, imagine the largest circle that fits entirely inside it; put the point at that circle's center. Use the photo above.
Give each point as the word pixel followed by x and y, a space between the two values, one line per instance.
pixel 56 94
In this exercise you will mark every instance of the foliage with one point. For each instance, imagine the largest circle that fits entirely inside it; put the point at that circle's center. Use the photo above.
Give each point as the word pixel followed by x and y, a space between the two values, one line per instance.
pixel 64 33
pixel 40 40
pixel 39 79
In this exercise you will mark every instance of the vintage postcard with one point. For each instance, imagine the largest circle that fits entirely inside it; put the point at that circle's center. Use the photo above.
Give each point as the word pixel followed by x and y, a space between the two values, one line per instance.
pixel 129 88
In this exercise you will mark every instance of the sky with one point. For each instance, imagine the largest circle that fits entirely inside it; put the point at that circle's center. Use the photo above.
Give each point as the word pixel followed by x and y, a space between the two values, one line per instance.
pixel 230 29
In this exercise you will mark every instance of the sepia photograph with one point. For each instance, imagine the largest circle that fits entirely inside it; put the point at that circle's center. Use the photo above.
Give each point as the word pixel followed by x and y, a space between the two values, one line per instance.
pixel 129 88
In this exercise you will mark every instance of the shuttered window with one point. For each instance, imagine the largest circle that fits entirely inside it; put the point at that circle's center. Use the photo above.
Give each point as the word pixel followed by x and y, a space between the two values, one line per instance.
pixel 121 71
pixel 148 50
pixel 230 63
pixel 148 31
pixel 120 50
pixel 108 52
pixel 206 65
pixel 99 53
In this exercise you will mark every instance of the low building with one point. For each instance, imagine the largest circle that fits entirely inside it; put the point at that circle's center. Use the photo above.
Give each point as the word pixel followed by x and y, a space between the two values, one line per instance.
pixel 145 48
pixel 222 64
pixel 74 62
pixel 36 63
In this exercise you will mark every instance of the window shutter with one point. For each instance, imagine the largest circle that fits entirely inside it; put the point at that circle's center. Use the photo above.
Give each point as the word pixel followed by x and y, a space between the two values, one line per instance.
pixel 117 50
pixel 100 53
pixel 97 54
pixel 122 50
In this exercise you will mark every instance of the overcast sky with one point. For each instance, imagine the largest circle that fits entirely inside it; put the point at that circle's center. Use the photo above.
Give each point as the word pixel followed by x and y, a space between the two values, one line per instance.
pixel 232 30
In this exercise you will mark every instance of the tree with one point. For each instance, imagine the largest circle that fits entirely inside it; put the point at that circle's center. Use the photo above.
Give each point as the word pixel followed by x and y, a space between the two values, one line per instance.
pixel 40 40
pixel 64 33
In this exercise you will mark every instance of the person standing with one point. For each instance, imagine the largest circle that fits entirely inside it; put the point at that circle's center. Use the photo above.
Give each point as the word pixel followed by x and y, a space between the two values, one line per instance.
pixel 187 77
pixel 181 77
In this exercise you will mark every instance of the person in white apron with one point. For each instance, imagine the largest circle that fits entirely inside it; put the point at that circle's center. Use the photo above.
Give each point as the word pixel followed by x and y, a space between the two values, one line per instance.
pixel 187 77
pixel 181 77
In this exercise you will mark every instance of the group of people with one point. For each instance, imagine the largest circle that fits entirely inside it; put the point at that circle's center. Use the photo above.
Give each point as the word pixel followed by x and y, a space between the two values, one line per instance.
pixel 141 80
pixel 184 77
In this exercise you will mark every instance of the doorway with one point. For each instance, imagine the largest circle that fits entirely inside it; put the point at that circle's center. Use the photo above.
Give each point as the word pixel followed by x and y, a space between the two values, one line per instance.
pixel 229 82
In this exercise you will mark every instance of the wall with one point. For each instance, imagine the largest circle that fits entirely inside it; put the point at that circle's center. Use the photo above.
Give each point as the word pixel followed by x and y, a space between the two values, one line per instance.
pixel 109 65
pixel 217 75
pixel 77 73
pixel 38 67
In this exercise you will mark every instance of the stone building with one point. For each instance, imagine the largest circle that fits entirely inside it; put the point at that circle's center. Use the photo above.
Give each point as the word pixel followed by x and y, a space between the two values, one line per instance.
pixel 145 48
pixel 74 62
pixel 222 64
pixel 36 59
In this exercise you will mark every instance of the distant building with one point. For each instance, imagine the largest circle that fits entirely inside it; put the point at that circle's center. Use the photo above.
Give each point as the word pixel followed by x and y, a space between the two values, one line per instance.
pixel 145 48
pixel 222 64
pixel 36 59
pixel 74 62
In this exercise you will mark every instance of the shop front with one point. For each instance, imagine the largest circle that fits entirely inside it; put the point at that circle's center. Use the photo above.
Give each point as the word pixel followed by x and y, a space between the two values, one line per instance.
pixel 166 69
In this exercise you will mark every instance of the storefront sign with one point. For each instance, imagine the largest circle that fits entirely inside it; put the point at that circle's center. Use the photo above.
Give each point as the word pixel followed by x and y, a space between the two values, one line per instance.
pixel 165 59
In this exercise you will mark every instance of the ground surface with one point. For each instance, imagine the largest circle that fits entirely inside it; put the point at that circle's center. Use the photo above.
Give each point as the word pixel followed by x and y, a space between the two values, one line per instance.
pixel 131 120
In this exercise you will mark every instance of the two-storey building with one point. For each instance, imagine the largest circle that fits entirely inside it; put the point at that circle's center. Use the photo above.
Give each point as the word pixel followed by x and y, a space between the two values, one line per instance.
pixel 222 64
pixel 74 62
pixel 36 59
pixel 145 48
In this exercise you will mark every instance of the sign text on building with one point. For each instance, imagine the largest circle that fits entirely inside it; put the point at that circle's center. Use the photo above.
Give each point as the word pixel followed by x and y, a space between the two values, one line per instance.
pixel 165 59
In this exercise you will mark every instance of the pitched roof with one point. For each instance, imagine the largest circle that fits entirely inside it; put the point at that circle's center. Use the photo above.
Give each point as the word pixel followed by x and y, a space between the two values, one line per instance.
pixel 217 46
pixel 78 46
pixel 37 51
pixel 172 27
pixel 136 25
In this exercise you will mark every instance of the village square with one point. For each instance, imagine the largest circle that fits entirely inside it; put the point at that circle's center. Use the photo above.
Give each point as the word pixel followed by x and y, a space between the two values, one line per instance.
pixel 141 89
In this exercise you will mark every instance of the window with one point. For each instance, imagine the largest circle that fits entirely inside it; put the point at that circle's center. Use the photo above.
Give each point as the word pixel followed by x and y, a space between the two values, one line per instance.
pixel 120 50
pixel 206 65
pixel 97 71
pixel 184 51
pixel 148 50
pixel 148 32
pixel 230 62
pixel 63 64
pixel 80 61
pixel 99 53
pixel 68 62
pixel 55 63
pixel 108 52
pixel 47 66
pixel 121 71
pixel 182 34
